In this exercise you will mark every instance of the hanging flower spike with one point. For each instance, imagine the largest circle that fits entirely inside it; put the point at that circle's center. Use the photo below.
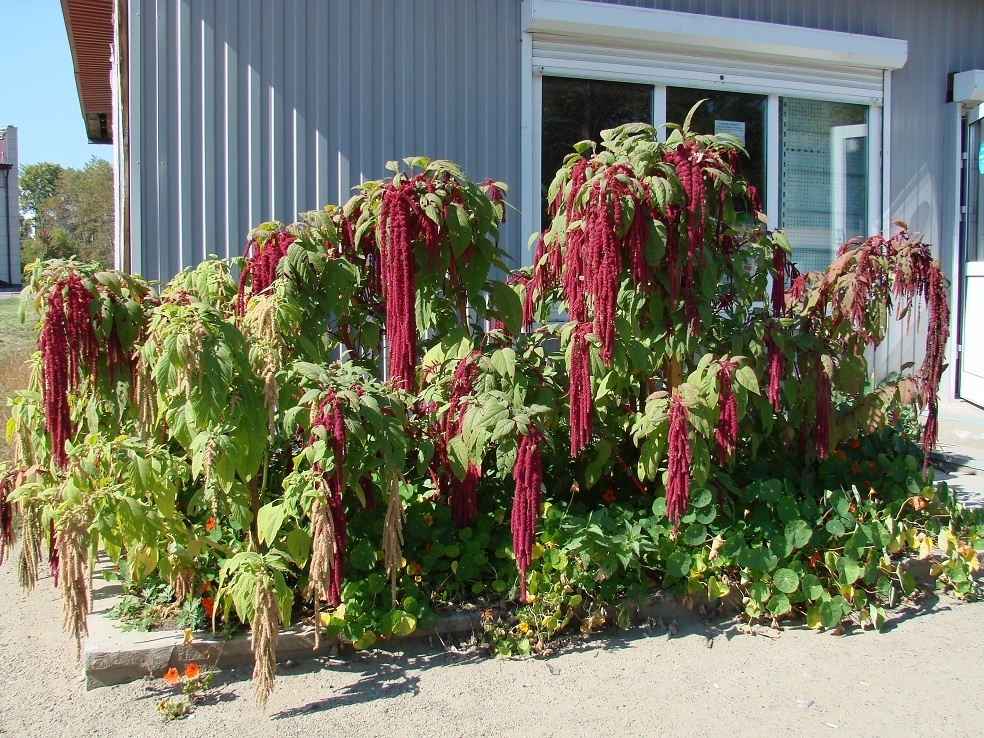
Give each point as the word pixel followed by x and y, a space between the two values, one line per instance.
pixel 778 280
pixel 678 470
pixel 8 511
pixel 399 283
pixel 824 411
pixel 68 346
pixel 580 398
pixel 528 474
pixel 777 368
pixel 462 493
pixel 726 433
pixel 260 270
pixel 575 275
pixel 331 419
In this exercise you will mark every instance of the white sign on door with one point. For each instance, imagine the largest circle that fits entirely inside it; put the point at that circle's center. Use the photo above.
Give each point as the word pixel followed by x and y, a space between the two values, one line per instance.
pixel 735 128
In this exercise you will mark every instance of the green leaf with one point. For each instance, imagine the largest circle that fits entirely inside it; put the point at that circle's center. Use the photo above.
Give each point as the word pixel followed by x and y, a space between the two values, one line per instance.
pixel 405 624
pixel 678 564
pixel 745 376
pixel 507 307
pixel 715 589
pixel 798 533
pixel 694 535
pixel 758 558
pixel 830 614
pixel 835 527
pixel 848 570
pixel 758 591
pixel 701 498
pixel 299 545
pixel 269 520
pixel 812 588
pixel 594 470
pixel 786 580
pixel 779 605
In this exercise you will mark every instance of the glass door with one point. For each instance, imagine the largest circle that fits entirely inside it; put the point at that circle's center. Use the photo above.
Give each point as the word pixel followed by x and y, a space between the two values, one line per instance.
pixel 971 380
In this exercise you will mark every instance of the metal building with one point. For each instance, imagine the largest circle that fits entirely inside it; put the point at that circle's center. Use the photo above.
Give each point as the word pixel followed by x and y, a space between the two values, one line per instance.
pixel 226 113
pixel 10 266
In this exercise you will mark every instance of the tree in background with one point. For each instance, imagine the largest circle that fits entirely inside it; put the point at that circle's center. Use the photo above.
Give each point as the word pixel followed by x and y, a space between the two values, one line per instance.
pixel 68 212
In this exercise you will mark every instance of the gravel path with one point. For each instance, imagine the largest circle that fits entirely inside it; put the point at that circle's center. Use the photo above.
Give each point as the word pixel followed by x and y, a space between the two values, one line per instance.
pixel 919 677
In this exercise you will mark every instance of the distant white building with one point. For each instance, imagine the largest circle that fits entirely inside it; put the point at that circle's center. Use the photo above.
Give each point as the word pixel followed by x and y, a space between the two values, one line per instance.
pixel 10 266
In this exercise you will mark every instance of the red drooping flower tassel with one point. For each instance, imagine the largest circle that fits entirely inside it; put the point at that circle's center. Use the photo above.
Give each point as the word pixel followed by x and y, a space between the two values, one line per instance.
pixel 395 234
pixel 69 349
pixel 575 274
pixel 463 492
pixel 778 280
pixel 824 411
pixel 331 419
pixel 464 496
pixel 678 470
pixel 726 433
pixel 260 269
pixel 8 510
pixel 777 368
pixel 54 558
pixel 528 474
pixel 580 398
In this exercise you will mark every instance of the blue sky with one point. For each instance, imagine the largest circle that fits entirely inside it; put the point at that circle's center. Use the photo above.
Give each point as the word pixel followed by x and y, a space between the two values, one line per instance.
pixel 37 85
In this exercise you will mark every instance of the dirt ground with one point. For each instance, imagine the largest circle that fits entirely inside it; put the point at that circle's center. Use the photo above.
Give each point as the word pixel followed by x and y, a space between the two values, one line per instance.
pixel 920 677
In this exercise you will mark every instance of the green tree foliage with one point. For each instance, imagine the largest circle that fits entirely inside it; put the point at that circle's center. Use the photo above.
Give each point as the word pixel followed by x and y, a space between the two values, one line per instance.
pixel 69 212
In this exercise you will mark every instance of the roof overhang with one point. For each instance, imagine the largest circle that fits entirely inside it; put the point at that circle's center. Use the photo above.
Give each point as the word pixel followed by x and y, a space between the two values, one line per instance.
pixel 645 28
pixel 90 37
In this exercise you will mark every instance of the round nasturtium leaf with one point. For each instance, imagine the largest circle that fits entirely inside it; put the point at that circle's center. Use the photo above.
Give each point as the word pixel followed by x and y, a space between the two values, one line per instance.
pixel 786 580
pixel 779 605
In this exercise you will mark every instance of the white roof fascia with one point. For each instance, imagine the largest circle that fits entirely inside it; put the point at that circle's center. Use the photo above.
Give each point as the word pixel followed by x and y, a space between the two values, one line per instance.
pixel 713 35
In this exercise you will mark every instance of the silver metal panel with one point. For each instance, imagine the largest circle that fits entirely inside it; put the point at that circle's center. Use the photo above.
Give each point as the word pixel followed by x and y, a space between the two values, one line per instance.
pixel 250 110
pixel 253 110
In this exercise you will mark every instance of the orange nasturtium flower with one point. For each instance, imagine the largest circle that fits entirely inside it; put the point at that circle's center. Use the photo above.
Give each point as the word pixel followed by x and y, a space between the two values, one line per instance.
pixel 192 670
pixel 209 604
pixel 171 677
pixel 210 524
pixel 609 495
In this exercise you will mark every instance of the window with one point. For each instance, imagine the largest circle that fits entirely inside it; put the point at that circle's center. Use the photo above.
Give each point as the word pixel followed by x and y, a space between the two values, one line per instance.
pixel 737 113
pixel 579 109
pixel 823 178
pixel 809 159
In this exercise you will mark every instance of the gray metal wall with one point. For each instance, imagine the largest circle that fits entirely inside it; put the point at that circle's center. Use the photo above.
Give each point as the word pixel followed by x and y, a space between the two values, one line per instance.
pixel 251 110
pixel 244 111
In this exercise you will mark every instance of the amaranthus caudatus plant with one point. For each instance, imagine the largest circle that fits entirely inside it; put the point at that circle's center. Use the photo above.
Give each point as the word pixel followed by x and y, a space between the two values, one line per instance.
pixel 366 423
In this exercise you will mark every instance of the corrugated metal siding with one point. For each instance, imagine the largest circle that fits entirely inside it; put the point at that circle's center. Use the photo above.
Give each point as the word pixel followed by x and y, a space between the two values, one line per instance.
pixel 252 110
pixel 944 37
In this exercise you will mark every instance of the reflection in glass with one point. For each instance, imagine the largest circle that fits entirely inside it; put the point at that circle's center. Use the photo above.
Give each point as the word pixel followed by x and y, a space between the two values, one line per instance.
pixel 579 109
pixel 737 113
pixel 824 178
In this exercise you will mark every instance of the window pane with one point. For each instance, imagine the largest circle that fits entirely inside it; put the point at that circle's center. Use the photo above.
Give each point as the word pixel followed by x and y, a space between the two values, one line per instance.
pixel 824 178
pixel 579 109
pixel 740 114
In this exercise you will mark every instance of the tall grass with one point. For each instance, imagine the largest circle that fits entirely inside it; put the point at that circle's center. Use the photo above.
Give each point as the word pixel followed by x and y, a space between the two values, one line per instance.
pixel 17 342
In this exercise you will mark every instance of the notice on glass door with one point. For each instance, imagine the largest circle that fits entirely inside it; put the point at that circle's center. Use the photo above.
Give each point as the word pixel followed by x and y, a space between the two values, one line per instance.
pixel 734 128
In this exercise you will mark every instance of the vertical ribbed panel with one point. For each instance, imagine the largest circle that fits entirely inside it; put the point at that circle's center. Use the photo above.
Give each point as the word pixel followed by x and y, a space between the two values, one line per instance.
pixel 250 110
pixel 255 110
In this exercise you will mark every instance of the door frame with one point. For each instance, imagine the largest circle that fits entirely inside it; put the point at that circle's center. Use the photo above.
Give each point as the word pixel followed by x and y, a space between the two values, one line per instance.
pixel 968 159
